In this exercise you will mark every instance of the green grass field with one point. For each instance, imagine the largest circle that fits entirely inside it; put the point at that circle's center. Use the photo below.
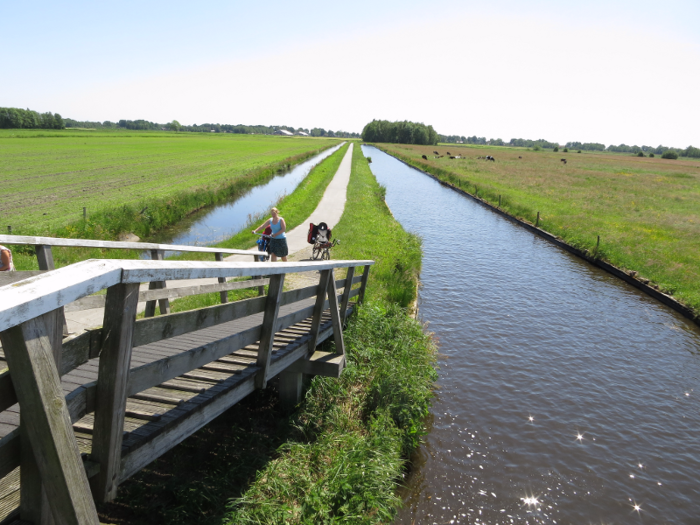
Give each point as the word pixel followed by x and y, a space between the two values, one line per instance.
pixel 49 176
pixel 645 210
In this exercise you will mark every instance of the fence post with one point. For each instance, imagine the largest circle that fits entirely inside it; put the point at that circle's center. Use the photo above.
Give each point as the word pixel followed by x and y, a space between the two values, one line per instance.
pixel 30 356
pixel 110 399
pixel 44 257
pixel 224 295
pixel 363 286
pixel 346 294
pixel 34 505
pixel 269 327
pixel 157 255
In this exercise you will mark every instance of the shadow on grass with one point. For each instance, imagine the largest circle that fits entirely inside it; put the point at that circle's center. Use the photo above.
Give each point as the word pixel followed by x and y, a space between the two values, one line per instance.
pixel 193 482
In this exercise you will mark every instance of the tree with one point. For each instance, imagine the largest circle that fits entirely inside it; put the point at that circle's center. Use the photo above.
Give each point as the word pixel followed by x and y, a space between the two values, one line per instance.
pixel 174 125
pixel 670 154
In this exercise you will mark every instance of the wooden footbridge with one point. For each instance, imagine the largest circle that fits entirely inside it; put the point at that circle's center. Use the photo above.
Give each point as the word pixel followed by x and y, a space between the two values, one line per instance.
pixel 81 414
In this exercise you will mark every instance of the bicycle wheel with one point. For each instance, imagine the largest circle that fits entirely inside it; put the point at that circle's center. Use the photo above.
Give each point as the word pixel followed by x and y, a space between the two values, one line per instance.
pixel 326 255
pixel 316 252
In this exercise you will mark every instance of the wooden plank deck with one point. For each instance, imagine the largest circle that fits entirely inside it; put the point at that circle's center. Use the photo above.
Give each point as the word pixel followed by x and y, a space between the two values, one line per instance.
pixel 164 415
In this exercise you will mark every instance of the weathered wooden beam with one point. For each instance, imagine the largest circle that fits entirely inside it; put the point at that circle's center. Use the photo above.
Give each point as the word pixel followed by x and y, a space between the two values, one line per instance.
pixel 34 505
pixel 164 304
pixel 44 257
pixel 269 327
pixel 117 335
pixel 321 292
pixel 363 288
pixel 224 295
pixel 98 301
pixel 335 317
pixel 320 364
pixel 347 287
pixel 90 243
pixel 29 354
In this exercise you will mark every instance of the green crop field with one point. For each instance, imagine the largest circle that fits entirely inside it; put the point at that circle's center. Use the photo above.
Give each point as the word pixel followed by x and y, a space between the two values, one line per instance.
pixel 645 210
pixel 49 176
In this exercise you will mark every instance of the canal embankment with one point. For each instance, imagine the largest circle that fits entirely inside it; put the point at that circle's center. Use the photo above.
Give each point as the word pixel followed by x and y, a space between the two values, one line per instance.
pixel 565 394
pixel 594 254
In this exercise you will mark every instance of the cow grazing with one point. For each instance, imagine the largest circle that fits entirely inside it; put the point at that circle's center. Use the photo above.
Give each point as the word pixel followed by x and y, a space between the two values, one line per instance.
pixel 520 157
pixel 424 157
pixel 563 161
pixel 489 157
pixel 436 153
pixel 452 157
pixel 448 152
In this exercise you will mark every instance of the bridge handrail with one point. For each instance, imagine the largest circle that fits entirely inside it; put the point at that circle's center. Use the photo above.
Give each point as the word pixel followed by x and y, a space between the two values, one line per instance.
pixel 35 296
pixel 123 245
pixel 35 350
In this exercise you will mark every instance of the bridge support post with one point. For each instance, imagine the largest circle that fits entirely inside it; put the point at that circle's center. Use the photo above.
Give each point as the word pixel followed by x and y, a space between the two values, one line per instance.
pixel 346 294
pixel 363 286
pixel 269 327
pixel 29 349
pixel 44 257
pixel 290 390
pixel 34 505
pixel 164 304
pixel 112 378
pixel 224 295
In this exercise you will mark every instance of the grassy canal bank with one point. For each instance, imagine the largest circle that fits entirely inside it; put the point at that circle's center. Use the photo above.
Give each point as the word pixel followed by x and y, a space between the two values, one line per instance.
pixel 340 456
pixel 645 210
pixel 136 182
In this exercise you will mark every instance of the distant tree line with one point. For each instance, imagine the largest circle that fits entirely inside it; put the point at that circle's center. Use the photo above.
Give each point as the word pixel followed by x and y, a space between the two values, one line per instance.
pixel 399 132
pixel 16 118
pixel 207 128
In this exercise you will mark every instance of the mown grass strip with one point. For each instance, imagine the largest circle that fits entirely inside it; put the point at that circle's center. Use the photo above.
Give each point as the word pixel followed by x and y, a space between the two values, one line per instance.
pixel 339 458
pixel 645 210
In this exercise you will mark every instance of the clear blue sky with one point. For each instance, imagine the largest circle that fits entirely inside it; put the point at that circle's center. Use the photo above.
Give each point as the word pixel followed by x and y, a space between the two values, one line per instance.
pixel 607 71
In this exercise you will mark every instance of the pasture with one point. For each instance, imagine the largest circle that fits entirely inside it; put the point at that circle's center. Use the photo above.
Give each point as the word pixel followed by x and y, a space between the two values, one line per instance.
pixel 49 176
pixel 645 210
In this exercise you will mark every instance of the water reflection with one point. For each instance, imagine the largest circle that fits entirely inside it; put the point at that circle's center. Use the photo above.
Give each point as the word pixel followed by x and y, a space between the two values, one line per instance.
pixel 558 380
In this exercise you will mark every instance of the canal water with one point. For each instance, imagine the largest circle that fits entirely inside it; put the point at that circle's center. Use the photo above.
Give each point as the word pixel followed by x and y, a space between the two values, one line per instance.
pixel 223 221
pixel 565 395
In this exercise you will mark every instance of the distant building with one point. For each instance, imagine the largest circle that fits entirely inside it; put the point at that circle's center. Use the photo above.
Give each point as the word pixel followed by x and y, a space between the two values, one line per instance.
pixel 302 133
pixel 284 133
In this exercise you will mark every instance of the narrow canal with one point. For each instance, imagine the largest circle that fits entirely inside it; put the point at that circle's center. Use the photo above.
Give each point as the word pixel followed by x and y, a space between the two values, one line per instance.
pixel 565 395
pixel 223 221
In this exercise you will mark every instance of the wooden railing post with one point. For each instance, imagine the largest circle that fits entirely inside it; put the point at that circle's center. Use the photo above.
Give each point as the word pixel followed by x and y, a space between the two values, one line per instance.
pixel 224 295
pixel 164 304
pixel 346 294
pixel 326 275
pixel 44 257
pixel 45 417
pixel 34 505
pixel 269 327
pixel 335 316
pixel 113 374
pixel 261 289
pixel 363 286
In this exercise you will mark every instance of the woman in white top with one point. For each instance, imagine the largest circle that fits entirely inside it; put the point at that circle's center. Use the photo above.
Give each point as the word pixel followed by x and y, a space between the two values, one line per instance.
pixel 6 260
